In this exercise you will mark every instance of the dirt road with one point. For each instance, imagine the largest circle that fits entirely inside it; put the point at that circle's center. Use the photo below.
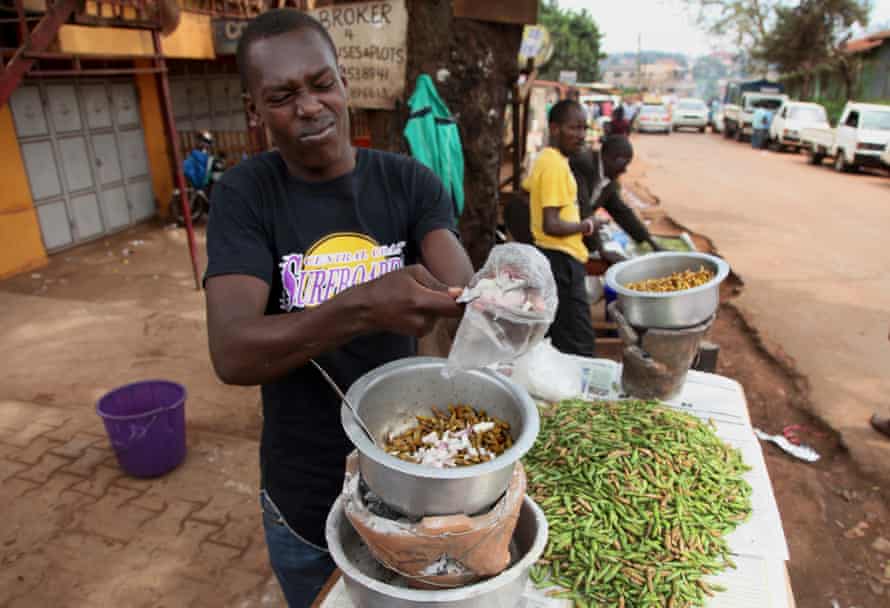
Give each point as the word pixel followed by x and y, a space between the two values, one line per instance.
pixel 810 245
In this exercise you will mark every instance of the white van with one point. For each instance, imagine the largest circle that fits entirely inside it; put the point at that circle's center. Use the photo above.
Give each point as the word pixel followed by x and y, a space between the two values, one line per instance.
pixel 790 121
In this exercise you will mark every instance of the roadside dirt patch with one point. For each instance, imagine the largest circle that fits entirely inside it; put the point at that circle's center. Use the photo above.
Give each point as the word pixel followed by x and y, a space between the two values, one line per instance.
pixel 832 514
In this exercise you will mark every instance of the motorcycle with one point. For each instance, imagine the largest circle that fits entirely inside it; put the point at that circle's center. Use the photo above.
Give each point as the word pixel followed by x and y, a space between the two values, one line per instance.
pixel 198 198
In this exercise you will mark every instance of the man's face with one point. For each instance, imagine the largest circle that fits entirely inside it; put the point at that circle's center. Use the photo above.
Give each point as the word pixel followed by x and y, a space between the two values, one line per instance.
pixel 296 90
pixel 616 164
pixel 571 133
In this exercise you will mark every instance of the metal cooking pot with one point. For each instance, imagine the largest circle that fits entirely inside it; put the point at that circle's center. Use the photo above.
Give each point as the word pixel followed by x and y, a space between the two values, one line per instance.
pixel 668 310
pixel 389 397
pixel 370 585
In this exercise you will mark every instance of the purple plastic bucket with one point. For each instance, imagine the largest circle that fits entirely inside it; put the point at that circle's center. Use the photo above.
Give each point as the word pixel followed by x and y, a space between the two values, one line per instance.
pixel 145 422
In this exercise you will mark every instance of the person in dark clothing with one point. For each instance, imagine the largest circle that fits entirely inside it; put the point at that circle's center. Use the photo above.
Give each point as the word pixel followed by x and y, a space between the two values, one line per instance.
pixel 314 257
pixel 596 173
pixel 619 125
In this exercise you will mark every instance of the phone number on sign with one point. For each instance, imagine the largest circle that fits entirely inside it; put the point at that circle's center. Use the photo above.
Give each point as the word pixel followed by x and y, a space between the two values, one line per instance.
pixel 356 73
pixel 370 93
pixel 389 54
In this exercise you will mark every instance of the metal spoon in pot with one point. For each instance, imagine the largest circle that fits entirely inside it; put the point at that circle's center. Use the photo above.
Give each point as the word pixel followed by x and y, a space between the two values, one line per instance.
pixel 342 396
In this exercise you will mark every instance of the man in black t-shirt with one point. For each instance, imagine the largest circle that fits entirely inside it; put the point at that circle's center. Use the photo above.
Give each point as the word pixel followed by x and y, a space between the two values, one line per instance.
pixel 313 254
pixel 597 173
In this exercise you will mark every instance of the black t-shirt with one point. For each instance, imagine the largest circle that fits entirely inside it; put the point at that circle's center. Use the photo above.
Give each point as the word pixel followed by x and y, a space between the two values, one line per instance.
pixel 309 241
pixel 586 169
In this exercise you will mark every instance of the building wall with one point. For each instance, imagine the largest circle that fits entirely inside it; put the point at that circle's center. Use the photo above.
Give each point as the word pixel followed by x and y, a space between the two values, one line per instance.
pixel 156 142
pixel 193 39
pixel 875 80
pixel 21 244
pixel 21 247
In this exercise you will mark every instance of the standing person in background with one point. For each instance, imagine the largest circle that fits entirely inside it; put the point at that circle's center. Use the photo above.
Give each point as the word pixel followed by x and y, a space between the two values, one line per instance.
pixel 630 111
pixel 760 125
pixel 619 125
pixel 597 173
pixel 590 111
pixel 559 231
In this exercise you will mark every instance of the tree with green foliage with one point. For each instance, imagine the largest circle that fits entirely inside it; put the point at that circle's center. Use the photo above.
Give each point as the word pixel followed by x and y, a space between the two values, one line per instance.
pixel 576 42
pixel 812 35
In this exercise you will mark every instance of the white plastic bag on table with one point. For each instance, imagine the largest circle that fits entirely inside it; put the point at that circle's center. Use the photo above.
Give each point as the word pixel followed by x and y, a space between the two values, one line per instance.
pixel 548 374
pixel 504 322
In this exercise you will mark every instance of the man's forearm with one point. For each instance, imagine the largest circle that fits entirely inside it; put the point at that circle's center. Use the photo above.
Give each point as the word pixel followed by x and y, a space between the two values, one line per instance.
pixel 258 350
pixel 556 226
pixel 564 229
pixel 625 217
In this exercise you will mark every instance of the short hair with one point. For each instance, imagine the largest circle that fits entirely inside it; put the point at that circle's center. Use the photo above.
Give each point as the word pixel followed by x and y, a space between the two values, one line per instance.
pixel 617 145
pixel 275 23
pixel 559 113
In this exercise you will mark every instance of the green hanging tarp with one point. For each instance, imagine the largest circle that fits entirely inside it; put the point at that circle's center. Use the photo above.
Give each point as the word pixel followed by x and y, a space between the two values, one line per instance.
pixel 434 138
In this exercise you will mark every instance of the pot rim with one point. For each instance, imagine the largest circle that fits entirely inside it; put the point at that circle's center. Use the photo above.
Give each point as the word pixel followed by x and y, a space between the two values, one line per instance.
pixel 521 445
pixel 337 515
pixel 719 276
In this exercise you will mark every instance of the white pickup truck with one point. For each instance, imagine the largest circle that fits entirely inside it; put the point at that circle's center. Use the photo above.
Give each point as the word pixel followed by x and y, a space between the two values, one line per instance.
pixel 861 136
pixel 738 117
pixel 791 119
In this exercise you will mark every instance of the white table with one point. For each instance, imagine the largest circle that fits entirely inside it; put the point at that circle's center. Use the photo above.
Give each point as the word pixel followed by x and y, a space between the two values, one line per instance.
pixel 758 546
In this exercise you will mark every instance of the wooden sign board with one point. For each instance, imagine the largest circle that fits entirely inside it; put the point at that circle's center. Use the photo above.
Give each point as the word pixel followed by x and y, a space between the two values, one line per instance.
pixel 372 47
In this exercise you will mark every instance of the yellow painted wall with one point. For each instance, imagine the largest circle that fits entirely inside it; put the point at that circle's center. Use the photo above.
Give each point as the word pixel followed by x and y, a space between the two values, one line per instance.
pixel 155 137
pixel 193 39
pixel 21 246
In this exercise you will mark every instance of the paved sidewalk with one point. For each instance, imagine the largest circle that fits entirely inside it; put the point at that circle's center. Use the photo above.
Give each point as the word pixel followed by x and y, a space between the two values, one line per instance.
pixel 77 531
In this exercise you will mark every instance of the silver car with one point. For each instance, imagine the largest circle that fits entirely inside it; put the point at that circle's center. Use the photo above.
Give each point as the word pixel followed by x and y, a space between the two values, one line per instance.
pixel 691 114
pixel 654 119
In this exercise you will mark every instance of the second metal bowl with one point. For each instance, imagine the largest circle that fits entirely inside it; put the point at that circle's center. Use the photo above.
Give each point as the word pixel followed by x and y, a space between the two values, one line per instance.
pixel 667 310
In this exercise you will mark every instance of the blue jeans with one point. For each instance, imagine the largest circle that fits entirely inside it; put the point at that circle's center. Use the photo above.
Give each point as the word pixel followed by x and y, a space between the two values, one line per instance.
pixel 759 138
pixel 301 567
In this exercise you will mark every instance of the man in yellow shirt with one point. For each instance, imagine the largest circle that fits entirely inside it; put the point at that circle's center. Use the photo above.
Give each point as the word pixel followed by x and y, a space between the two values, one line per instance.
pixel 558 229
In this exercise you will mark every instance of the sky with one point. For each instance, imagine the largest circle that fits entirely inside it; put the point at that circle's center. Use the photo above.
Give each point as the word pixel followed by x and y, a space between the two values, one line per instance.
pixel 664 25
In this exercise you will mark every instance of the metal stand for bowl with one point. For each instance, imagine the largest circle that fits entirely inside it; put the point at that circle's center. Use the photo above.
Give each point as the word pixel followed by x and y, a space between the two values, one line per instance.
pixel 655 361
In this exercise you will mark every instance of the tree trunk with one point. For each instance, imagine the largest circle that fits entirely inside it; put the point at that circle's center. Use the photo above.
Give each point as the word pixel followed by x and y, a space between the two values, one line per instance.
pixel 478 64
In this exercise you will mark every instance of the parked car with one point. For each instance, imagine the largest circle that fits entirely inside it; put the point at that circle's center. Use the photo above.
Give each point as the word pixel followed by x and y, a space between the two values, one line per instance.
pixel 860 138
pixel 885 157
pixel 791 119
pixel 654 119
pixel 743 98
pixel 691 114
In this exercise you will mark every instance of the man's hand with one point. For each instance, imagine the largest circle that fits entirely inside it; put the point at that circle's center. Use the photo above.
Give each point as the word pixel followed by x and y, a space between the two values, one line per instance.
pixel 408 301
pixel 591 224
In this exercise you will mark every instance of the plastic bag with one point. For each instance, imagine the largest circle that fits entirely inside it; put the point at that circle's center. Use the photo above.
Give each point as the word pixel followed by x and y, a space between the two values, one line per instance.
pixel 511 303
pixel 438 551
pixel 548 374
